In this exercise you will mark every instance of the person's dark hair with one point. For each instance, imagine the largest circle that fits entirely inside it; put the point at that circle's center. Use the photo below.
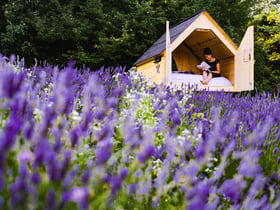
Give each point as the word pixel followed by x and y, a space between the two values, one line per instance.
pixel 207 51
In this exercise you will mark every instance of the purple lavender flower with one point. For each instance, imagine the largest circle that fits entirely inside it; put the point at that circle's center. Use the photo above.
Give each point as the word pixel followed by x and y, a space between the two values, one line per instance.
pixel 35 178
pixel 74 136
pixel 230 125
pixel 175 117
pixel 103 151
pixel 195 204
pixel 232 189
pixel 200 150
pixel 51 200
pixel 71 64
pixel 86 120
pixel 249 164
pixel 11 83
pixel 13 58
pixel 123 174
pixel 86 177
pixel 48 118
pixel 10 131
pixel 20 189
pixel 41 152
pixel 28 130
pixel 158 152
pixel 275 151
pixel 115 183
pixel 145 153
pixel 25 156
pixel 192 169
pixel 132 188
pixel 199 192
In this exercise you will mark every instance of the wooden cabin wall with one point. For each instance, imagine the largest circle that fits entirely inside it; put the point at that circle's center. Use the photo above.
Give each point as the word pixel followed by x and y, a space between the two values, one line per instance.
pixel 227 69
pixel 155 71
pixel 244 62
pixel 185 60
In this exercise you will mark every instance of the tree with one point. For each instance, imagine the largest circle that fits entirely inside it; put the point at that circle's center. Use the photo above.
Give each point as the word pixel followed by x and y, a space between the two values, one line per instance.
pixel 103 33
pixel 40 29
pixel 267 24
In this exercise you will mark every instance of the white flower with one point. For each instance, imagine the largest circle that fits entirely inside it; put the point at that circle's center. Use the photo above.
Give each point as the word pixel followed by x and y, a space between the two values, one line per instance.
pixel 75 116
pixel 78 194
pixel 25 156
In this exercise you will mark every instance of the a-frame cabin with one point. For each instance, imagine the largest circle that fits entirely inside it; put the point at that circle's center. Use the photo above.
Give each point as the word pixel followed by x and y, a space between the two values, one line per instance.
pixel 187 42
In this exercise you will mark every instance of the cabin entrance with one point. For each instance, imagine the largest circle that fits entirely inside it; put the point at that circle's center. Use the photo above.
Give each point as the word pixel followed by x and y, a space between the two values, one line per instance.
pixel 190 53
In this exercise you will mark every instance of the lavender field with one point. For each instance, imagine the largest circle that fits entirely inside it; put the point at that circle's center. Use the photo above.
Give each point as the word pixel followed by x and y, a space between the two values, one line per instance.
pixel 110 139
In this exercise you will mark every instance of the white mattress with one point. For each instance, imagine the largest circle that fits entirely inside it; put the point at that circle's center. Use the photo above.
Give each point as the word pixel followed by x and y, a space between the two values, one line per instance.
pixel 194 79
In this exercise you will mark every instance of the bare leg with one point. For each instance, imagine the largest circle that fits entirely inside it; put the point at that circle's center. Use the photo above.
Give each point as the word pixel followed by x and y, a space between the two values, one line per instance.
pixel 204 75
pixel 209 77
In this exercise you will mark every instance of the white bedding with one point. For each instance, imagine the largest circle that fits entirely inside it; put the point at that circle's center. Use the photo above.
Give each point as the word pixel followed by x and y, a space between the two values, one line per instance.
pixel 194 79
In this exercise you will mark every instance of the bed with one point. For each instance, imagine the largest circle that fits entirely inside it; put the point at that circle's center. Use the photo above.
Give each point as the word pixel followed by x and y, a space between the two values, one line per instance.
pixel 177 78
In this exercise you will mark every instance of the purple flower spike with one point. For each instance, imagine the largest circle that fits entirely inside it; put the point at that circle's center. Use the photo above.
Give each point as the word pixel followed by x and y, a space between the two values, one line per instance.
pixel 51 200
pixel 232 190
pixel 74 137
pixel 103 151
pixel 12 83
pixel 249 164
pixel 36 178
pixel 175 117
pixel 132 188
pixel 115 184
pixel 124 173
pixel 28 131
pixel 25 156
pixel 102 156
pixel 145 153
pixel 71 64
pixel 13 58
pixel 200 150
pixel 10 131
pixel 275 151
pixel 158 152
pixel 86 177
pixel 195 204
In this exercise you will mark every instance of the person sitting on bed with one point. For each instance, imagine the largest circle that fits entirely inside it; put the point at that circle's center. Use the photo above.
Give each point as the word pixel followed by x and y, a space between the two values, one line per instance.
pixel 213 71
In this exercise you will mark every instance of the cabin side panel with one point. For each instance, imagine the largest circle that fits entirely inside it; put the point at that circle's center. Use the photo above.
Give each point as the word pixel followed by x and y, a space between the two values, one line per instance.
pixel 244 62
pixel 153 70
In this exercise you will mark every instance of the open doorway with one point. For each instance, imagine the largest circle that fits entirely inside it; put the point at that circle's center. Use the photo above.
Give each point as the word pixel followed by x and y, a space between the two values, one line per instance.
pixel 190 53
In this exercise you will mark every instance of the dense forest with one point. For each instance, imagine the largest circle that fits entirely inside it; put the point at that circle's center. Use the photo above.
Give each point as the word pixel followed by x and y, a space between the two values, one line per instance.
pixel 99 33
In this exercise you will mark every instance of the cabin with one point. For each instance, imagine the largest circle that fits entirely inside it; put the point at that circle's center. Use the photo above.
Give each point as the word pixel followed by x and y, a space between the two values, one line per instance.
pixel 174 57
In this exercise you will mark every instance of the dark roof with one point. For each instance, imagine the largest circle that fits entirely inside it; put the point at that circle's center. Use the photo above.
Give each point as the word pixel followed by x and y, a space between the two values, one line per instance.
pixel 159 46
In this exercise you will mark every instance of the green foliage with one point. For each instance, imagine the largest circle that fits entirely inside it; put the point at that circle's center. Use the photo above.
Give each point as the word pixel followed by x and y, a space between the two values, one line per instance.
pixel 267 46
pixel 271 157
pixel 97 33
